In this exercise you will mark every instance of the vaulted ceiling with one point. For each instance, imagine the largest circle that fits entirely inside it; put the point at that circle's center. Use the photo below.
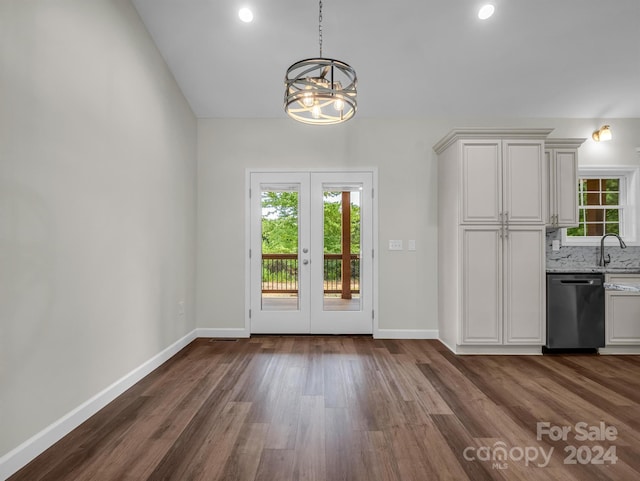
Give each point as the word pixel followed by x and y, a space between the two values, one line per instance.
pixel 414 58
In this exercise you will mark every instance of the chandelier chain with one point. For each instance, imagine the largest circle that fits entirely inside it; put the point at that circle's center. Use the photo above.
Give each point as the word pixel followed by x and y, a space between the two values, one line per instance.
pixel 320 26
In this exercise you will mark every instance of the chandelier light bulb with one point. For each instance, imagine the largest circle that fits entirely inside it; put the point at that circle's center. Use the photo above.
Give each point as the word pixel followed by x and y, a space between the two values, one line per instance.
pixel 316 112
pixel 338 103
pixel 307 99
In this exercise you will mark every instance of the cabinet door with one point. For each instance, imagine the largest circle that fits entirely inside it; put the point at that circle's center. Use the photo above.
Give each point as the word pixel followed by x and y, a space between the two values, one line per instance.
pixel 524 179
pixel 524 285
pixel 481 285
pixel 622 318
pixel 566 188
pixel 481 182
pixel 550 188
pixel 622 313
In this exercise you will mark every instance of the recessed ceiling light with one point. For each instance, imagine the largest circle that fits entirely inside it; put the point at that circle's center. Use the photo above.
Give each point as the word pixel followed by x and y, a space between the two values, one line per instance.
pixel 245 15
pixel 486 11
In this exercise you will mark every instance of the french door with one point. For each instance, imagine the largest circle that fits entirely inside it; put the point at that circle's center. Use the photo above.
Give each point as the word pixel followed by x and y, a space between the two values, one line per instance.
pixel 311 250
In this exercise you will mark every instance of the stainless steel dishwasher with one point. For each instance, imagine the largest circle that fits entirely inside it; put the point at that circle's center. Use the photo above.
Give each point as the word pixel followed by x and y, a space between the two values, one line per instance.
pixel 575 311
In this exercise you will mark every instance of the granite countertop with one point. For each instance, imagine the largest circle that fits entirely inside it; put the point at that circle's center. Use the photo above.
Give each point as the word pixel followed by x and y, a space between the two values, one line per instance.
pixel 603 270
pixel 622 287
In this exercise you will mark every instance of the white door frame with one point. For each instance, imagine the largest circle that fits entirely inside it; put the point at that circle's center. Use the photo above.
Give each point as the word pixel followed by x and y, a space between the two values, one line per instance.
pixel 374 227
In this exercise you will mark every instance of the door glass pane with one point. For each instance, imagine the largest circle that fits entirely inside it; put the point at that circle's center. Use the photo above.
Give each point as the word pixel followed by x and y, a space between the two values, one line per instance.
pixel 280 206
pixel 341 230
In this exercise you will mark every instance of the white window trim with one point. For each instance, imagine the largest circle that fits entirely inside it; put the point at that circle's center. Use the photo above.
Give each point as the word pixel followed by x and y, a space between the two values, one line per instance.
pixel 630 207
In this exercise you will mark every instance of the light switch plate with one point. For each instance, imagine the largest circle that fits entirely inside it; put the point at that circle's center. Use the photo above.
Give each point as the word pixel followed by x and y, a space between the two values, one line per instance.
pixel 395 245
pixel 411 245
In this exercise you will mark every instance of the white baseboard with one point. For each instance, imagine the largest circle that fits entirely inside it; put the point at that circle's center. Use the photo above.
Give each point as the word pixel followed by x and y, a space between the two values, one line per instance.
pixel 506 350
pixel 27 451
pixel 620 350
pixel 406 334
pixel 222 332
pixel 448 346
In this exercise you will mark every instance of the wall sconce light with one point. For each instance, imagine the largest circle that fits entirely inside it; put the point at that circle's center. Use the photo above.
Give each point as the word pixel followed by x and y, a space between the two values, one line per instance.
pixel 603 134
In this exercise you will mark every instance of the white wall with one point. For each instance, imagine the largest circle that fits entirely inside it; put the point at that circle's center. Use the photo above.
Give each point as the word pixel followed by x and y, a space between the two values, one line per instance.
pixel 407 196
pixel 97 206
pixel 228 147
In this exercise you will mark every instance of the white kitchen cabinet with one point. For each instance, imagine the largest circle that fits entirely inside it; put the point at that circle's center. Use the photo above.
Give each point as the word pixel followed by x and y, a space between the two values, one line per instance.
pixel 524 285
pixel 622 312
pixel 481 192
pixel 482 285
pixel 503 180
pixel 503 282
pixel 492 209
pixel 561 159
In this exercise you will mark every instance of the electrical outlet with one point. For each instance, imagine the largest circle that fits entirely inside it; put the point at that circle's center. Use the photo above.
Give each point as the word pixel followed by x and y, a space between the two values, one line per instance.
pixel 395 245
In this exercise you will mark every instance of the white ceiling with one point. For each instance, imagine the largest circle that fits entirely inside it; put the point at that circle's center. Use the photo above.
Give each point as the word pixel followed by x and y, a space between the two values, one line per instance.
pixel 414 58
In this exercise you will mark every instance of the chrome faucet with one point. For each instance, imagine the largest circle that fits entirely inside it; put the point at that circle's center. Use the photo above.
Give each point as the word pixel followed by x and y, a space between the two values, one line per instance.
pixel 604 261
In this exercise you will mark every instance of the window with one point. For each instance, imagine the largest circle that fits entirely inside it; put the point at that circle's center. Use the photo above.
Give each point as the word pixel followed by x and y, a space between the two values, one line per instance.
pixel 606 205
pixel 599 207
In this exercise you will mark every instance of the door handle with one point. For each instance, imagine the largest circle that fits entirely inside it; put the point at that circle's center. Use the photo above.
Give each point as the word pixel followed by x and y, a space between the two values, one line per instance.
pixel 305 261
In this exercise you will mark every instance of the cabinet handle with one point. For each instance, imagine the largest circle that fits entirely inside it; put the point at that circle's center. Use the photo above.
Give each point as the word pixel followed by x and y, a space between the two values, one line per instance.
pixel 506 225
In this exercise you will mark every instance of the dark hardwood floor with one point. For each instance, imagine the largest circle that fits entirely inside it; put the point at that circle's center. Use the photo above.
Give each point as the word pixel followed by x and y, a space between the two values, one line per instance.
pixel 354 408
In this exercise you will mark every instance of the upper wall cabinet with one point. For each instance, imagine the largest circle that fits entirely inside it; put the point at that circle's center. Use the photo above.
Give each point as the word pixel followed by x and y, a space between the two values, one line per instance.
pixel 481 182
pixel 524 181
pixel 503 181
pixel 561 159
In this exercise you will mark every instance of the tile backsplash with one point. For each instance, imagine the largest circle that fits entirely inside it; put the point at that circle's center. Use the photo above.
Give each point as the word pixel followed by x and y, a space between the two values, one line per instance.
pixel 580 257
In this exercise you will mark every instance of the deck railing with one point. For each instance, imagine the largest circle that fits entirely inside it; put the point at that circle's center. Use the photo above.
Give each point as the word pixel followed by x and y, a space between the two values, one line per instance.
pixel 280 273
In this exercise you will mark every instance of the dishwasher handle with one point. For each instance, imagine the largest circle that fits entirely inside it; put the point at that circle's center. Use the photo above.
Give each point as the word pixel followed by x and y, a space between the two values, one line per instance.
pixel 584 282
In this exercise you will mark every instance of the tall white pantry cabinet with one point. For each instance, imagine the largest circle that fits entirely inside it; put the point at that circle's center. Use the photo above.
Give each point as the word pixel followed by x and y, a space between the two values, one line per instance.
pixel 492 211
